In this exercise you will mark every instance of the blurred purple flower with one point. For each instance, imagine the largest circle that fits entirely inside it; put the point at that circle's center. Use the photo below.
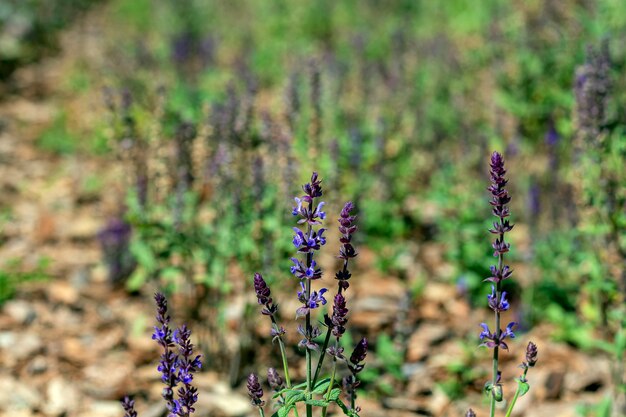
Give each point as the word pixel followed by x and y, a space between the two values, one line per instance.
pixel 129 407
pixel 552 136
pixel 592 87
pixel 275 380
pixel 114 241
pixel 531 355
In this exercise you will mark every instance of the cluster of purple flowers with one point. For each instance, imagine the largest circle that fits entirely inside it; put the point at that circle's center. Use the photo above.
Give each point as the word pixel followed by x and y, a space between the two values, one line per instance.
pixel 175 367
pixel 347 251
pixel 307 242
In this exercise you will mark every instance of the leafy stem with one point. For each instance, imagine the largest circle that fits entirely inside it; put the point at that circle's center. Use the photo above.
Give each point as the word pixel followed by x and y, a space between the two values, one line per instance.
pixel 522 388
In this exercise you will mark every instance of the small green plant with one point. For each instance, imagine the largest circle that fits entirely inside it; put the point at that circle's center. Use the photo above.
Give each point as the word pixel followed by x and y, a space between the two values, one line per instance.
pixel 57 138
pixel 12 275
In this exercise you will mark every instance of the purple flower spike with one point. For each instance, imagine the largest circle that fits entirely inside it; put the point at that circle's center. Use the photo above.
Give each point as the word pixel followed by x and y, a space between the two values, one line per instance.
pixel 314 188
pixel 470 413
pixel 263 295
pixel 262 290
pixel 339 318
pixel 168 362
pixel 255 391
pixel 308 214
pixel 531 355
pixel 176 368
pixel 347 251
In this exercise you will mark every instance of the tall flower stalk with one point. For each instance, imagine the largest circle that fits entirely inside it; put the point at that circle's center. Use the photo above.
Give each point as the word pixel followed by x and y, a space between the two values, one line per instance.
pixel 270 309
pixel 337 322
pixel 497 300
pixel 307 239
pixel 311 216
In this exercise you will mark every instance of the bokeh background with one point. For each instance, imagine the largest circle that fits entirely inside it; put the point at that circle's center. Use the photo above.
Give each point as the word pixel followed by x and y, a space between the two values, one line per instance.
pixel 157 145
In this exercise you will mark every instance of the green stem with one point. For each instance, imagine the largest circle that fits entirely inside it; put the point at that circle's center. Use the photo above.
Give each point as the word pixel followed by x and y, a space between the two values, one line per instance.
pixel 517 391
pixel 353 399
pixel 332 382
pixel 283 353
pixel 261 412
pixel 494 381
pixel 508 413
pixel 309 379
pixel 322 355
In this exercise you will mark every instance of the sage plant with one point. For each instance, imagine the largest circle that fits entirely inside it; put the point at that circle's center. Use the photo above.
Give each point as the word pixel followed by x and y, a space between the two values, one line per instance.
pixel 176 368
pixel 497 300
pixel 307 240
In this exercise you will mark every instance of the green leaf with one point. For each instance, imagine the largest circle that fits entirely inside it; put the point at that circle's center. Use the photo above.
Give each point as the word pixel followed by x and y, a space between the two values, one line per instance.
pixel 317 403
pixel 294 398
pixel 321 386
pixel 523 387
pixel 137 279
pixel 283 411
pixel 335 394
pixel 604 408
pixel 287 392
pixel 143 254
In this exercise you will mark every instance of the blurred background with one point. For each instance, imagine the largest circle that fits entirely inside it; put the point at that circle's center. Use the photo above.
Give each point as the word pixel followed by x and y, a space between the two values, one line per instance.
pixel 157 145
